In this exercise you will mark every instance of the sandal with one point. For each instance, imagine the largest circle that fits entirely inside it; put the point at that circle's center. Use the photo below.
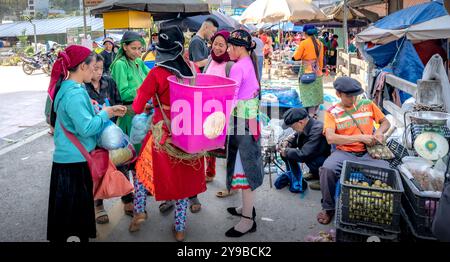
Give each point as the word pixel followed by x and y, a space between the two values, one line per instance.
pixel 195 206
pixel 101 217
pixel 225 193
pixel 166 206
pixel 209 179
pixel 325 217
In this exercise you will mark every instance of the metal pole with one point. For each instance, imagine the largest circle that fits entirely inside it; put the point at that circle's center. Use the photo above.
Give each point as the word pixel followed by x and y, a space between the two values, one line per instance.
pixel 84 21
pixel 35 38
pixel 345 26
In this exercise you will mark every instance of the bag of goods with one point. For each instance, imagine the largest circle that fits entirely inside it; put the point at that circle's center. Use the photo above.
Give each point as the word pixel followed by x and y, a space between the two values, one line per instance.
pixel 123 156
pixel 139 127
pixel 380 151
pixel 112 137
pixel 429 178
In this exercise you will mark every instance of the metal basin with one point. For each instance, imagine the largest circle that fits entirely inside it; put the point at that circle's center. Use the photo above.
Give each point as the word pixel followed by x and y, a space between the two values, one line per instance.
pixel 429 118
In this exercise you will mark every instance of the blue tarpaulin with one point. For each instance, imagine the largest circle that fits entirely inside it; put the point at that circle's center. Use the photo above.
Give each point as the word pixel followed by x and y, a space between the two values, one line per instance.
pixel 412 15
pixel 289 27
pixel 400 56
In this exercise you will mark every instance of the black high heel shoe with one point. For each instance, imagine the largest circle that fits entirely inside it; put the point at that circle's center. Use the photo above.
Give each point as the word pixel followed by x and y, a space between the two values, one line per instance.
pixel 232 211
pixel 234 233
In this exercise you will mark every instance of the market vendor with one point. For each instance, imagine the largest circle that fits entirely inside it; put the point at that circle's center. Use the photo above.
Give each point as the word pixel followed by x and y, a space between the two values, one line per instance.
pixel 349 125
pixel 307 145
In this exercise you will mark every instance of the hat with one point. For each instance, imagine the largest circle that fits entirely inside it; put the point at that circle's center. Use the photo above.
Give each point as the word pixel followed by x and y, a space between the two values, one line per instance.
pixel 170 49
pixel 169 38
pixel 348 85
pixel 294 115
pixel 108 39
pixel 310 29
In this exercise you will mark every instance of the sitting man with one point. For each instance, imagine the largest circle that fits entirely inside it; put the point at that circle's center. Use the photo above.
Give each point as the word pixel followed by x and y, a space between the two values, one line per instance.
pixel 349 125
pixel 307 145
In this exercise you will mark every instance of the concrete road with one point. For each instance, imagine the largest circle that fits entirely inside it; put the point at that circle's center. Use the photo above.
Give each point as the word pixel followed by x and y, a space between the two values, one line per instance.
pixel 22 99
pixel 24 189
pixel 25 164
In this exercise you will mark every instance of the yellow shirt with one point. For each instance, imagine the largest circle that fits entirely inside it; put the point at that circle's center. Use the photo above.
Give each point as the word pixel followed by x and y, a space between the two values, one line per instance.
pixel 306 52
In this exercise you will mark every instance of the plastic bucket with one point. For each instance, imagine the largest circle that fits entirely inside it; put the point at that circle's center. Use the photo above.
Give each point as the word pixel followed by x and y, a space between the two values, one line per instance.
pixel 192 105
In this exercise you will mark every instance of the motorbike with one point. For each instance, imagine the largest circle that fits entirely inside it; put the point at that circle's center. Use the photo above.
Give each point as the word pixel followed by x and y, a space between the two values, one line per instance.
pixel 43 61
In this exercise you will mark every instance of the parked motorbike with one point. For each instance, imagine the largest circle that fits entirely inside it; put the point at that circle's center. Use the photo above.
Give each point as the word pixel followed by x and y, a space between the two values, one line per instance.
pixel 43 61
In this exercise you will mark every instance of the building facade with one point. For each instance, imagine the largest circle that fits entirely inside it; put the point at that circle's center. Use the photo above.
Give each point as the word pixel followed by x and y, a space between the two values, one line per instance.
pixel 37 6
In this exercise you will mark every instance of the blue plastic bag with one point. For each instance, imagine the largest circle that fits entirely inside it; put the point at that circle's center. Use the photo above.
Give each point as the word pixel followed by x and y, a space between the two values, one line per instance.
pixel 296 182
pixel 139 127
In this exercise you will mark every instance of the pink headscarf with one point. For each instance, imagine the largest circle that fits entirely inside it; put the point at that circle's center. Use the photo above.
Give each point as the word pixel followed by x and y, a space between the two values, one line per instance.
pixel 224 57
pixel 67 59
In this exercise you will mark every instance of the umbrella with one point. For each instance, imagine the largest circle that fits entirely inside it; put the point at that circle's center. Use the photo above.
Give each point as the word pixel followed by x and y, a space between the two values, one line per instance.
pixel 160 9
pixel 420 22
pixel 280 10
pixel 193 23
pixel 336 12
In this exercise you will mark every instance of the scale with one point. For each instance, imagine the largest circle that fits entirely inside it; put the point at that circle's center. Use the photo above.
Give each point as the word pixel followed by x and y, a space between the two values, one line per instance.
pixel 431 146
pixel 430 134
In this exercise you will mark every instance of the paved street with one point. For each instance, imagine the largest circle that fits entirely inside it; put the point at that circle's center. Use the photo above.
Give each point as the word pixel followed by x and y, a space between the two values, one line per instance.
pixel 22 99
pixel 25 163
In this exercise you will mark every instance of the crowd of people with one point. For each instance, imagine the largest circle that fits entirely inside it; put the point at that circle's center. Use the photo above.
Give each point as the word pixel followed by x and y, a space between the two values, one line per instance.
pixel 124 86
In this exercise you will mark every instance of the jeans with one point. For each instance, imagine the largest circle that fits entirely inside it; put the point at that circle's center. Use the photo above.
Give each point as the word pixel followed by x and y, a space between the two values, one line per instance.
pixel 260 66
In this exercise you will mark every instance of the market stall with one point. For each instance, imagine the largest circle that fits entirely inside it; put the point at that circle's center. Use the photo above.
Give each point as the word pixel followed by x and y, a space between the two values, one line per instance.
pixel 415 91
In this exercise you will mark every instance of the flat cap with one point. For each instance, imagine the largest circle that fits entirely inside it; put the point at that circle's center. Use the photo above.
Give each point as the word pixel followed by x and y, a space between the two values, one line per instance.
pixel 293 115
pixel 348 85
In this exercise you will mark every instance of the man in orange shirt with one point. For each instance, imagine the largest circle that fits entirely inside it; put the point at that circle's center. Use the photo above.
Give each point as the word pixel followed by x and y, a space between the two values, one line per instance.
pixel 341 130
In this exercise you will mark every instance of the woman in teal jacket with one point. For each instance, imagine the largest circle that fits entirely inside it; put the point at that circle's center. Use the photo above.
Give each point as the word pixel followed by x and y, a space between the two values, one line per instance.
pixel 71 201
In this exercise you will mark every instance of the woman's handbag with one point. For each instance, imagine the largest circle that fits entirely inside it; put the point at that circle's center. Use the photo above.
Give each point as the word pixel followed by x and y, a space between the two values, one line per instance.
pixel 98 159
pixel 113 184
pixel 108 181
pixel 308 78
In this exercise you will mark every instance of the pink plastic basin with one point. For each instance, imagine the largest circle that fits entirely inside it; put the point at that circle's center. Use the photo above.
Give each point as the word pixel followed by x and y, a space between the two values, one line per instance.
pixel 191 105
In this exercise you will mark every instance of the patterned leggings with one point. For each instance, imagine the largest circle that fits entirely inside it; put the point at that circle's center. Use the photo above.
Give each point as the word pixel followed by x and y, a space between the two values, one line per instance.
pixel 140 197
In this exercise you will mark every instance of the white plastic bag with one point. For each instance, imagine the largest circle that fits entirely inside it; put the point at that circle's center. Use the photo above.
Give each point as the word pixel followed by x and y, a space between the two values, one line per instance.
pixel 429 178
pixel 435 70
pixel 112 137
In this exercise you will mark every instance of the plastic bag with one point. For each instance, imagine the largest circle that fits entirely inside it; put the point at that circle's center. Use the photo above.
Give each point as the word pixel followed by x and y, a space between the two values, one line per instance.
pixel 429 178
pixel 139 127
pixel 435 70
pixel 112 137
pixel 123 156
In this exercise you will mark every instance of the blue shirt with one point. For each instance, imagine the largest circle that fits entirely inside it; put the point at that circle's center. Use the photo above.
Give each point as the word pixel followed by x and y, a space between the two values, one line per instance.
pixel 75 111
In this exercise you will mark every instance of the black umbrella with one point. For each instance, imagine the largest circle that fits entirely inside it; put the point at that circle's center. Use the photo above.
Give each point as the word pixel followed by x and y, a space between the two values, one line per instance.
pixel 160 9
pixel 193 23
